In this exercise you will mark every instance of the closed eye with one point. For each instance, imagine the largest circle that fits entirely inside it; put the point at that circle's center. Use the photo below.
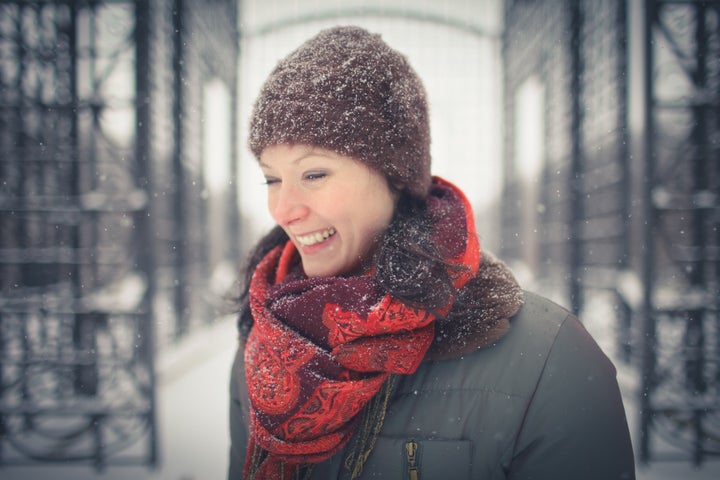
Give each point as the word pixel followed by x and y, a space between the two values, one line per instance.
pixel 271 181
pixel 315 176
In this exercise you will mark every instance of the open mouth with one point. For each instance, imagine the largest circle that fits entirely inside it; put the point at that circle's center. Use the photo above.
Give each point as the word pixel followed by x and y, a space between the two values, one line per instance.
pixel 315 238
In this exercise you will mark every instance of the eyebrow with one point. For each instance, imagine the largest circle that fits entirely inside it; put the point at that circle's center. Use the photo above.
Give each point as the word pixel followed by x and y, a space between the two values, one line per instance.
pixel 311 153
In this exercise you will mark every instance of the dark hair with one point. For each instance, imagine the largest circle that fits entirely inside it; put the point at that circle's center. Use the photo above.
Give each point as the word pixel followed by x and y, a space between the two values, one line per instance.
pixel 407 263
pixel 272 239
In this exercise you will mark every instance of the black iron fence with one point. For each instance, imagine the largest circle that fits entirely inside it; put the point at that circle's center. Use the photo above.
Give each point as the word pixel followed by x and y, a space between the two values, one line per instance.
pixel 104 242
pixel 680 265
pixel 626 199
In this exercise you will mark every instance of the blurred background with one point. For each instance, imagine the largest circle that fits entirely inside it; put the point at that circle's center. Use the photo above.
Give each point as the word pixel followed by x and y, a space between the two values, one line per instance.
pixel 586 134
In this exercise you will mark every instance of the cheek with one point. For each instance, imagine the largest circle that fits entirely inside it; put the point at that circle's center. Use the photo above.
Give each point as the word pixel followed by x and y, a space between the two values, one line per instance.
pixel 272 203
pixel 383 209
pixel 374 220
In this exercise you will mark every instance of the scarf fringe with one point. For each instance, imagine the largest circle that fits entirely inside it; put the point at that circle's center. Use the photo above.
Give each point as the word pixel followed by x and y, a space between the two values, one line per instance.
pixel 369 428
pixel 301 472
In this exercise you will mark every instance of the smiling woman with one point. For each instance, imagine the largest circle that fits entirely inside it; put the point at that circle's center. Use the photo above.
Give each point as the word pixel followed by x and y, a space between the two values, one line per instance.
pixel 376 339
pixel 333 208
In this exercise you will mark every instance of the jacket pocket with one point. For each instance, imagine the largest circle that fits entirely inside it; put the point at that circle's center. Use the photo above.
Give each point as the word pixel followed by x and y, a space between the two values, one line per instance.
pixel 419 459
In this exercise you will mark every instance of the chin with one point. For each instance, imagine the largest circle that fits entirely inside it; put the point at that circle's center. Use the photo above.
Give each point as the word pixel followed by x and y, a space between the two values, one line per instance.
pixel 324 271
pixel 313 271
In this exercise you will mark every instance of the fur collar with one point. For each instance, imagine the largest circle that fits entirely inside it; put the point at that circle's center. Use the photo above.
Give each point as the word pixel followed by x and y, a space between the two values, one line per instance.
pixel 481 314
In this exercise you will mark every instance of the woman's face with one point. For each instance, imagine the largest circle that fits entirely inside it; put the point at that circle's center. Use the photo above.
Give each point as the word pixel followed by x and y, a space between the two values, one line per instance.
pixel 332 207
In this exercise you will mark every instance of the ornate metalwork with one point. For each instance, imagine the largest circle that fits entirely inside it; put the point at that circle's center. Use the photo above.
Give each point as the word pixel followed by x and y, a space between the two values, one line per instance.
pixel 604 180
pixel 101 114
pixel 669 279
pixel 76 340
pixel 578 51
pixel 680 402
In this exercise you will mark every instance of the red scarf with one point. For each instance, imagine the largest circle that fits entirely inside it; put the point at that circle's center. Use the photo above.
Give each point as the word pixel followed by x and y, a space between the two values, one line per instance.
pixel 321 348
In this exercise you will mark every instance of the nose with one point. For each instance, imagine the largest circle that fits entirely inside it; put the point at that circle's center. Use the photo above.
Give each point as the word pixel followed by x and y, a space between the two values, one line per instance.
pixel 287 205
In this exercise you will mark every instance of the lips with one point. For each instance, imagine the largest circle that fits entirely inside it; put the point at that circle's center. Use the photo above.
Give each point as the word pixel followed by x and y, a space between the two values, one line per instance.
pixel 316 237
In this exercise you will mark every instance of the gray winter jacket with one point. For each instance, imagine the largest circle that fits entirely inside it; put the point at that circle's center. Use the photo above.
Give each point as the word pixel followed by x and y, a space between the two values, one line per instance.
pixel 541 403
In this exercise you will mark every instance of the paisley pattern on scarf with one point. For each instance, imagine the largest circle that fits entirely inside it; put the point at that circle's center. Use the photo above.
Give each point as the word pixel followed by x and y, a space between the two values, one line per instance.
pixel 321 348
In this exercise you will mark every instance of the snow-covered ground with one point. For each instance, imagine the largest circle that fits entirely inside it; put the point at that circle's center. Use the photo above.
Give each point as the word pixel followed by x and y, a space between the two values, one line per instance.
pixel 193 405
pixel 600 321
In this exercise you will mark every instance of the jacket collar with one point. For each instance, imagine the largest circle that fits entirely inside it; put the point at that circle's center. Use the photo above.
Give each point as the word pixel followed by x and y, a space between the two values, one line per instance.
pixel 480 315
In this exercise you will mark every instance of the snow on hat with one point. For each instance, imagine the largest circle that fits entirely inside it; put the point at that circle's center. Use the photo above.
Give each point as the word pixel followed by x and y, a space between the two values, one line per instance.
pixel 347 91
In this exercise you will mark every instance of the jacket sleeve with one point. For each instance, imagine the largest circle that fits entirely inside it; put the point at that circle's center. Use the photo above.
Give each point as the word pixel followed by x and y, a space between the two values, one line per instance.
pixel 575 425
pixel 238 421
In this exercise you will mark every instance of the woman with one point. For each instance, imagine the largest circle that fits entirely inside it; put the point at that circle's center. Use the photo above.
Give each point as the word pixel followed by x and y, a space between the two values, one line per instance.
pixel 376 338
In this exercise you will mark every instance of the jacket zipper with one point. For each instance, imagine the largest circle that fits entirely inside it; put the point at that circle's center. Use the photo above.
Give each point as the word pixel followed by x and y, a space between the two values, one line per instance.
pixel 411 455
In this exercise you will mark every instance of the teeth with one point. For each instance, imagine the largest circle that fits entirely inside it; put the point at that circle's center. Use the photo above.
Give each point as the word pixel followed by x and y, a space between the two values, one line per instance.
pixel 316 237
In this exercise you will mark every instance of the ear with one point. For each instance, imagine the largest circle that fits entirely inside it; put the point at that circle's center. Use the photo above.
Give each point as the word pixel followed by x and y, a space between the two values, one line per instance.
pixel 396 188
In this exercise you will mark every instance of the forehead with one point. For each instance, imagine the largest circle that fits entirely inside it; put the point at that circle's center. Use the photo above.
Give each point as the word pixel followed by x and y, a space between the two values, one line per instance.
pixel 291 155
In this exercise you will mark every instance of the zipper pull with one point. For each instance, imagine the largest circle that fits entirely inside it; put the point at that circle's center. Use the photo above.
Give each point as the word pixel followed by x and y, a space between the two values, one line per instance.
pixel 411 454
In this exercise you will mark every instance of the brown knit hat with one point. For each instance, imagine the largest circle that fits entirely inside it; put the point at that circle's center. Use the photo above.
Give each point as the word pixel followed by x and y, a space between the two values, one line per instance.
pixel 347 91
